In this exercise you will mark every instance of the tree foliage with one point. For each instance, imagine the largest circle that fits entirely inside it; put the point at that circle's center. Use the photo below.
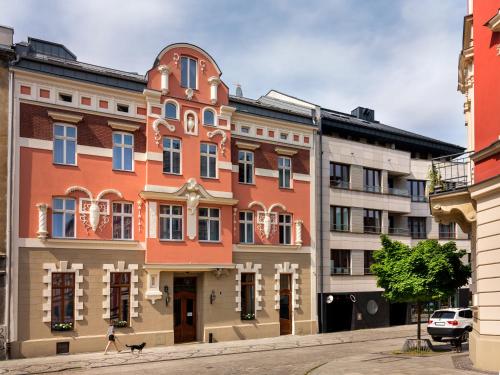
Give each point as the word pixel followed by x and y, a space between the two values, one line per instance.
pixel 429 271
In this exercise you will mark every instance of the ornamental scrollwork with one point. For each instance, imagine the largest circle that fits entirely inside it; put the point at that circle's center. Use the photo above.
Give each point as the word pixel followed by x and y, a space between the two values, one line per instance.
pixel 156 124
pixel 223 141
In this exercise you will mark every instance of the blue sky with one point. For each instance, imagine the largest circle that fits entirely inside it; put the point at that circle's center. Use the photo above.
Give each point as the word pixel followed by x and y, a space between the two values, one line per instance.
pixel 398 57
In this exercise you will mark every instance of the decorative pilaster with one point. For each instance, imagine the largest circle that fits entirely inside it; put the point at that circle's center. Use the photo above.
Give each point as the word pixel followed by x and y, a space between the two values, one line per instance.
pixel 248 267
pixel 42 221
pixel 214 84
pixel 298 232
pixel 165 71
pixel 152 208
pixel 153 292
pixel 292 269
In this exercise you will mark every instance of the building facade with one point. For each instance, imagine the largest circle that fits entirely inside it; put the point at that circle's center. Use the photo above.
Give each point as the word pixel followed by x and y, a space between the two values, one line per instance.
pixel 156 203
pixel 468 185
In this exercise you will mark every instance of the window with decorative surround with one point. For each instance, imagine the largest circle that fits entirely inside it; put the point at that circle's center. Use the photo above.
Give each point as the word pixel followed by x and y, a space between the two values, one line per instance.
pixel 245 167
pixel 188 72
pixel 63 217
pixel 208 160
pixel 120 298
pixel 209 224
pixel 285 172
pixel 208 117
pixel 122 221
pixel 285 229
pixel 170 222
pixel 246 227
pixel 64 144
pixel 171 155
pixel 171 111
pixel 63 301
pixel 123 151
pixel 247 296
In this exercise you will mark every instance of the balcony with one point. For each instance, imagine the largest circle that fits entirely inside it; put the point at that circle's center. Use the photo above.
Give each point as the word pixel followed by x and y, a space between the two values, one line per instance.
pixel 340 270
pixel 399 231
pixel 340 228
pixel 451 173
pixel 447 236
pixel 400 192
pixel 339 184
pixel 372 229
pixel 373 188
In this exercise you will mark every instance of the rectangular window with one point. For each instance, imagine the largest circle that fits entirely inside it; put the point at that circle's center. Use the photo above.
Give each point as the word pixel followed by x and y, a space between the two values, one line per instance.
pixel 417 227
pixel 171 155
pixel 64 144
pixel 245 167
pixel 63 217
pixel 447 231
pixel 339 175
pixel 368 261
pixel 188 72
pixel 285 172
pixel 339 218
pixel 63 300
pixel 122 221
pixel 247 296
pixel 119 297
pixel 123 151
pixel 416 188
pixel 209 224
pixel 372 221
pixel 372 180
pixel 340 262
pixel 170 222
pixel 285 229
pixel 246 227
pixel 208 160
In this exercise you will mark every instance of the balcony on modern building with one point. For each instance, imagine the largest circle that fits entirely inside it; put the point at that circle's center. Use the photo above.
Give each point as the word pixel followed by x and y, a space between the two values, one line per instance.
pixel 370 200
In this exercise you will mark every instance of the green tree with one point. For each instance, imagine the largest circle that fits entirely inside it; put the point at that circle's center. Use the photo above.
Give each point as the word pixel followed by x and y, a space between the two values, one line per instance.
pixel 429 271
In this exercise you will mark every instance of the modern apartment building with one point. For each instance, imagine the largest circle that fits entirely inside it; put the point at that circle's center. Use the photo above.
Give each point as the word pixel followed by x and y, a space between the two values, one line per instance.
pixel 467 185
pixel 156 203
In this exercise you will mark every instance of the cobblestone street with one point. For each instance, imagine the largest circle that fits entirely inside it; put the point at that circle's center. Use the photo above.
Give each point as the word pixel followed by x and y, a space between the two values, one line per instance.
pixel 355 352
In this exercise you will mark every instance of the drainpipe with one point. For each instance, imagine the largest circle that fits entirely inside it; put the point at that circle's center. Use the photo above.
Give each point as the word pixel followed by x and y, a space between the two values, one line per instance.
pixel 317 119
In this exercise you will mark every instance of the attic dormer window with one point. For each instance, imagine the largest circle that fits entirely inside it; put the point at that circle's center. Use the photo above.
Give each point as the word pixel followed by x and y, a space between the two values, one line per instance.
pixel 122 108
pixel 68 98
pixel 188 72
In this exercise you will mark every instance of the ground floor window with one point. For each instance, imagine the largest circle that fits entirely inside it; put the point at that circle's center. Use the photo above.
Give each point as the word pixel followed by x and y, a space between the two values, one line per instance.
pixel 63 301
pixel 120 298
pixel 247 296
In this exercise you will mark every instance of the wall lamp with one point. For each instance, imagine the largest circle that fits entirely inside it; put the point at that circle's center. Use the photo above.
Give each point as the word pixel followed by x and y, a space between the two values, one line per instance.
pixel 212 297
pixel 167 295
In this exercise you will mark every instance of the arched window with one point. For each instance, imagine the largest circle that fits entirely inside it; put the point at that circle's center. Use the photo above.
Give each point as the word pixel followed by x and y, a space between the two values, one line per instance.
pixel 171 110
pixel 208 117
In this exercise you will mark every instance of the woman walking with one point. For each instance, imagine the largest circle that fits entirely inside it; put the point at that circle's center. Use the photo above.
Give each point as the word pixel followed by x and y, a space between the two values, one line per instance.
pixel 111 338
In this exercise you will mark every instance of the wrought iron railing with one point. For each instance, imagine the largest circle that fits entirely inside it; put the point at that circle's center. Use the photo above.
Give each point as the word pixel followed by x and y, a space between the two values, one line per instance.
pixel 451 172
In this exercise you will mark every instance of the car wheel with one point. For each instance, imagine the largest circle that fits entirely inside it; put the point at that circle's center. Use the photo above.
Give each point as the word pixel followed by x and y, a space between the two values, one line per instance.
pixel 437 338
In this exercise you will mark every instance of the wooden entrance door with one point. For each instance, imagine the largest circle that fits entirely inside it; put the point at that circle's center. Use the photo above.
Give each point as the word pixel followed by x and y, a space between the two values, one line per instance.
pixel 285 304
pixel 184 313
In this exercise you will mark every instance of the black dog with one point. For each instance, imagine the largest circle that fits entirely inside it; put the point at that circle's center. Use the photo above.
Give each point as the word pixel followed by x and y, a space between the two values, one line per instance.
pixel 136 347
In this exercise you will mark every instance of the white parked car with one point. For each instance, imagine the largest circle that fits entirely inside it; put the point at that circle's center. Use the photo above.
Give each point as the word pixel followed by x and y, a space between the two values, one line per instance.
pixel 450 323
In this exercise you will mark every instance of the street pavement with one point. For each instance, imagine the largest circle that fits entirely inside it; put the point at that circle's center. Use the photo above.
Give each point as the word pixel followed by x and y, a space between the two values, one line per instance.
pixel 352 353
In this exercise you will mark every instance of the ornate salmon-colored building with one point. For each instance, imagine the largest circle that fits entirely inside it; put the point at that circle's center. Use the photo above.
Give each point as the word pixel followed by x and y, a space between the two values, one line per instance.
pixel 158 203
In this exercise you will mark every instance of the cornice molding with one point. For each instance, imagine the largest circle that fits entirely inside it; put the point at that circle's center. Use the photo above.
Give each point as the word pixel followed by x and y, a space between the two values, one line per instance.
pixel 65 117
pixel 488 151
pixel 123 126
pixel 247 145
pixel 285 151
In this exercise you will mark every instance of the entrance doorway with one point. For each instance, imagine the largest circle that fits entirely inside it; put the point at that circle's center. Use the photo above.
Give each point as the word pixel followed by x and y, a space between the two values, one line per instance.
pixel 285 304
pixel 184 309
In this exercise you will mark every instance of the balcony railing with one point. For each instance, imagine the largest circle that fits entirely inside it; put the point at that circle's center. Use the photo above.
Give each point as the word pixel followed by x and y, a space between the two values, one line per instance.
pixel 339 183
pixel 451 172
pixel 418 235
pixel 400 192
pixel 340 270
pixel 447 236
pixel 399 231
pixel 339 228
pixel 418 198
pixel 371 229
pixel 373 188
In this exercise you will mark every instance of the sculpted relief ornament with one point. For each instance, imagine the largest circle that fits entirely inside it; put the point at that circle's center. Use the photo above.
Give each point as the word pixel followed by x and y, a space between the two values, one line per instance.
pixel 223 141
pixel 267 221
pixel 156 124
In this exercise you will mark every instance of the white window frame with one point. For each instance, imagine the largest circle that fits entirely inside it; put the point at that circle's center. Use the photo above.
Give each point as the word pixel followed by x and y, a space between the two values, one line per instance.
pixel 64 212
pixel 283 169
pixel 209 220
pixel 245 163
pixel 283 226
pixel 65 139
pixel 123 146
pixel 172 151
pixel 122 216
pixel 171 216
pixel 177 109
pixel 188 67
pixel 215 117
pixel 207 155
pixel 245 222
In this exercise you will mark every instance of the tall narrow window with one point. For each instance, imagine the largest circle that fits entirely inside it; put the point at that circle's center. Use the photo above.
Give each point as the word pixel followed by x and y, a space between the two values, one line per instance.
pixel 372 180
pixel 339 175
pixel 340 262
pixel 120 297
pixel 170 222
pixel 123 151
pixel 245 167
pixel 416 189
pixel 368 261
pixel 171 155
pixel 447 231
pixel 171 110
pixel 372 221
pixel 63 217
pixel 417 227
pixel 63 300
pixel 246 226
pixel 247 296
pixel 339 218
pixel 208 117
pixel 285 172
pixel 285 229
pixel 188 72
pixel 209 224
pixel 122 221
pixel 208 160
pixel 64 144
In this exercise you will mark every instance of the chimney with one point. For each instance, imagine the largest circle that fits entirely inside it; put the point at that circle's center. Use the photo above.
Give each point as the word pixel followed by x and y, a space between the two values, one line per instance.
pixel 239 91
pixel 6 36
pixel 364 114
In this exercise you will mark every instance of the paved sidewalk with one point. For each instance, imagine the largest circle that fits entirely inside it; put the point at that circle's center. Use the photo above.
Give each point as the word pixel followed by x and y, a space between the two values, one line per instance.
pixel 170 353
